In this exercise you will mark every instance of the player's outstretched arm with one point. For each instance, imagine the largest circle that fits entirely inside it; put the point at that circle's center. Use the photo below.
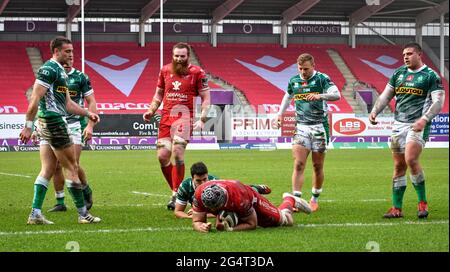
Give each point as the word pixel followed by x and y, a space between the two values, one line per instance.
pixel 199 222
pixel 180 211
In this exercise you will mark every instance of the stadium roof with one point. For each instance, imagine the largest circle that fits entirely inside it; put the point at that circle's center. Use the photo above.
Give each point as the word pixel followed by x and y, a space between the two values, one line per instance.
pixel 333 10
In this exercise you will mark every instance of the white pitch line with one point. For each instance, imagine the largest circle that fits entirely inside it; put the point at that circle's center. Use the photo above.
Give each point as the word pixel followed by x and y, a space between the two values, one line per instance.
pixel 148 194
pixel 149 229
pixel 15 175
pixel 387 224
pixel 129 205
pixel 152 229
pixel 354 200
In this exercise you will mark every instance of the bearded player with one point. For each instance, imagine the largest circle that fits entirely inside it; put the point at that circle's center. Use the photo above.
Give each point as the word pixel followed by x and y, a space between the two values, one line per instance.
pixel 178 85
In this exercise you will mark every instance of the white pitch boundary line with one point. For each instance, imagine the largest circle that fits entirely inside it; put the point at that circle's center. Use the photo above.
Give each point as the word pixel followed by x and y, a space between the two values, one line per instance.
pixel 151 229
pixel 129 205
pixel 354 200
pixel 148 194
pixel 15 175
pixel 387 224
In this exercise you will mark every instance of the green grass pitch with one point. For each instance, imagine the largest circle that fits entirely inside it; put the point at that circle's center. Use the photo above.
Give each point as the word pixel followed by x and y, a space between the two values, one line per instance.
pixel 130 196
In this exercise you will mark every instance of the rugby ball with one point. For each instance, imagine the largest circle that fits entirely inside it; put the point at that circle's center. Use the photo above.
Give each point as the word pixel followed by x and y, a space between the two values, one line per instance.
pixel 229 218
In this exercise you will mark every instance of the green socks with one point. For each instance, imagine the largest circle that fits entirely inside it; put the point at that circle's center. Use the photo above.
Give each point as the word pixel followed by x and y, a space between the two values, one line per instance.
pixel 418 182
pixel 59 197
pixel 398 190
pixel 77 196
pixel 40 189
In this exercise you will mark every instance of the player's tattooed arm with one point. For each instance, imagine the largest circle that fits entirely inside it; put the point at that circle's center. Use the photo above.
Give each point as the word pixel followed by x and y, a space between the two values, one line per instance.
pixel 437 98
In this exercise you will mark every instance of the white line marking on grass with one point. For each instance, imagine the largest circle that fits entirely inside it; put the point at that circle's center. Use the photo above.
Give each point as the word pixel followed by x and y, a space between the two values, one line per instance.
pixel 387 224
pixel 170 229
pixel 15 175
pixel 148 194
pixel 354 200
pixel 129 205
pixel 50 232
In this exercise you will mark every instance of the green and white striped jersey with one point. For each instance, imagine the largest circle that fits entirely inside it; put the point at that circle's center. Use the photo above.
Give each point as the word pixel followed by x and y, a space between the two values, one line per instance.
pixel 413 92
pixel 52 76
pixel 79 86
pixel 309 112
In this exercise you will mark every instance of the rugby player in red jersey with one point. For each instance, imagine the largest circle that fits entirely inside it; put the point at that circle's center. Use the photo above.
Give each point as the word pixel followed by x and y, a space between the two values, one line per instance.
pixel 250 208
pixel 178 84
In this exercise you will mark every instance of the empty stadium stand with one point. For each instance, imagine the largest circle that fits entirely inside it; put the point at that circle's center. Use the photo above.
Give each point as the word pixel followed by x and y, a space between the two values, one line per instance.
pixel 261 71
pixel 374 64
pixel 16 76
pixel 124 75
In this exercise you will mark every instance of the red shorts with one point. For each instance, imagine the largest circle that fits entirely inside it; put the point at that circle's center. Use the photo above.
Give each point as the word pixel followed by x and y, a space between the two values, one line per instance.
pixel 268 215
pixel 169 127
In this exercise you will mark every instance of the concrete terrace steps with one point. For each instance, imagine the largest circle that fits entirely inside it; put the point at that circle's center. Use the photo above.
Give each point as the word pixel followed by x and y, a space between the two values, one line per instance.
pixel 347 92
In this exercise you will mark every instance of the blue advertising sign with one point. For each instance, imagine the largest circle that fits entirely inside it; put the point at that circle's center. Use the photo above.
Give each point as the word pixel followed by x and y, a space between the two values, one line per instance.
pixel 439 124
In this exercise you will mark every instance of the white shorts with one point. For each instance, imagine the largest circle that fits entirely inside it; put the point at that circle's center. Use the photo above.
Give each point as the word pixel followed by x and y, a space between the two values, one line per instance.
pixel 312 137
pixel 402 134
pixel 74 133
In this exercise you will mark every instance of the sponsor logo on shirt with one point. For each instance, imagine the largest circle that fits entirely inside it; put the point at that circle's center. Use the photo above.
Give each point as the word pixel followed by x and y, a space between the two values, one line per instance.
pixel 177 96
pixel 61 89
pixel 407 90
pixel 303 95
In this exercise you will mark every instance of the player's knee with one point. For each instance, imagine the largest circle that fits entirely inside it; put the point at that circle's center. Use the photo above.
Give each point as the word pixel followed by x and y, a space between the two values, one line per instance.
pixel 318 167
pixel 400 165
pixel 164 159
pixel 412 162
pixel 299 165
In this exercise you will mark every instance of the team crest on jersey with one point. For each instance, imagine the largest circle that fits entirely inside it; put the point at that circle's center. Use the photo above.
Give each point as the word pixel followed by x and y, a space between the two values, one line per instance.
pixel 410 78
pixel 313 82
pixel 176 85
pixel 420 79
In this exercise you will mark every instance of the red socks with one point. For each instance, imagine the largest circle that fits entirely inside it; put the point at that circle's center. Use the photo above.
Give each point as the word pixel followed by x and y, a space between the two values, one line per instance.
pixel 167 172
pixel 177 175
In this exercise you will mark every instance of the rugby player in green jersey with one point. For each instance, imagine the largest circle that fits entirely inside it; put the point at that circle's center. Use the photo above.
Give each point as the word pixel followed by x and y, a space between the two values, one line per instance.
pixel 50 100
pixel 419 96
pixel 310 90
pixel 199 175
pixel 80 130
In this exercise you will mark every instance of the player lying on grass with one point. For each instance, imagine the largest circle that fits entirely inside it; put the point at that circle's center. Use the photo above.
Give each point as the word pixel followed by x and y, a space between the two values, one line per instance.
pixel 238 207
pixel 199 175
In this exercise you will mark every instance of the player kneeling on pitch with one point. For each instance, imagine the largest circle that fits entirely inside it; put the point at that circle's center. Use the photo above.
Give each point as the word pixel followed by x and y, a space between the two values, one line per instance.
pixel 199 175
pixel 238 207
